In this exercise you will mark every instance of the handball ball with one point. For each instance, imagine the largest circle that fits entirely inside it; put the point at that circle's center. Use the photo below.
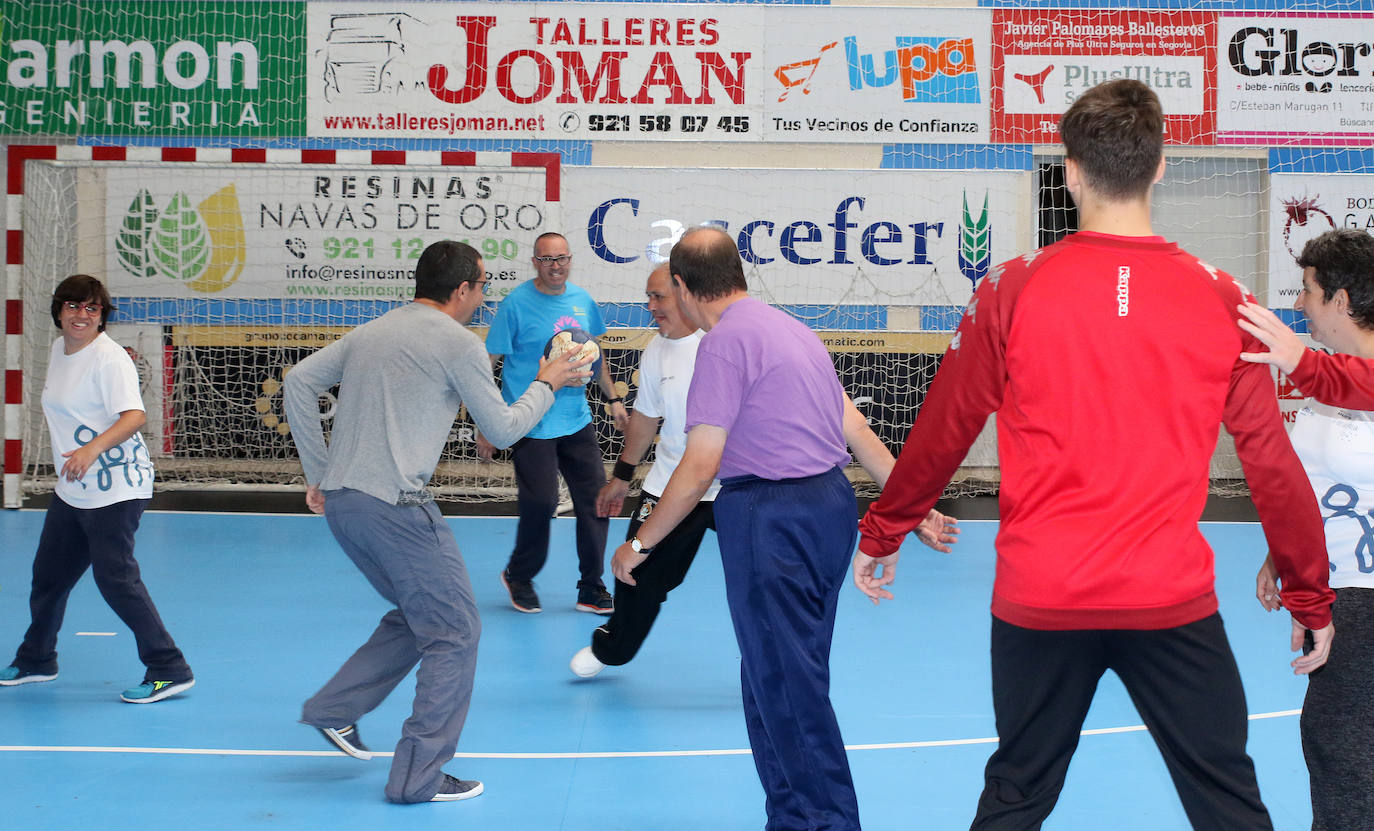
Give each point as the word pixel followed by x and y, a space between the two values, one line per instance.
pixel 570 339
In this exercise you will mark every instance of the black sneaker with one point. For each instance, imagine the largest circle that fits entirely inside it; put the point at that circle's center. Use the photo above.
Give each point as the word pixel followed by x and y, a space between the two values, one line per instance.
pixel 453 789
pixel 347 740
pixel 522 595
pixel 595 599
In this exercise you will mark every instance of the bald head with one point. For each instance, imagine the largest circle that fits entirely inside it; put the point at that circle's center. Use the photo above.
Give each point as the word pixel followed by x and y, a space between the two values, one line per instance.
pixel 707 264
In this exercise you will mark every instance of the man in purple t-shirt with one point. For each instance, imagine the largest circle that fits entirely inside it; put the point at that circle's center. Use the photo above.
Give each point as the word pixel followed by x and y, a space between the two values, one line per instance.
pixel 766 411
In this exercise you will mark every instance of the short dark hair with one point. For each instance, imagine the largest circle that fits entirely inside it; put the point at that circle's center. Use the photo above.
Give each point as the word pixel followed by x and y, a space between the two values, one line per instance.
pixel 81 288
pixel 1344 259
pixel 1115 133
pixel 707 264
pixel 443 267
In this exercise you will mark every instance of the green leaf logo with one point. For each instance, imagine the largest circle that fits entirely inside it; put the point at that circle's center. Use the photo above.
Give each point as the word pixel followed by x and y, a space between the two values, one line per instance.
pixel 975 243
pixel 181 242
pixel 134 243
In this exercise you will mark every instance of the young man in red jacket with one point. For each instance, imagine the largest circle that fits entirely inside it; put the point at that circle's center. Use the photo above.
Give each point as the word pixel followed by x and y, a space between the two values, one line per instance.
pixel 1110 358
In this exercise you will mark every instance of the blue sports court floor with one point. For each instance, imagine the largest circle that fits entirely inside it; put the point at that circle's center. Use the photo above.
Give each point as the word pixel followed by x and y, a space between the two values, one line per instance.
pixel 266 607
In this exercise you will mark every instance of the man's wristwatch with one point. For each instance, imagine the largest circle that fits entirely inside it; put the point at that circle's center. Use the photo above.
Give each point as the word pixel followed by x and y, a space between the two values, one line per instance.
pixel 639 547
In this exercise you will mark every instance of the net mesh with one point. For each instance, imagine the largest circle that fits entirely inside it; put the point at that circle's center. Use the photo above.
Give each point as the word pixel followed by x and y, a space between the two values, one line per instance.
pixel 872 241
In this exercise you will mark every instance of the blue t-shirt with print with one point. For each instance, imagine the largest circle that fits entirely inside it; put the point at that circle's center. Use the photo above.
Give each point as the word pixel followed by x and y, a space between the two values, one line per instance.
pixel 524 322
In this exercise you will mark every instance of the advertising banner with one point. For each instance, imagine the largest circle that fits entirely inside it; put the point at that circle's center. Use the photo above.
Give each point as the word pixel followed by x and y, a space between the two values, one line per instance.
pixel 311 231
pixel 1043 60
pixel 144 343
pixel 525 70
pixel 130 68
pixel 655 72
pixel 825 237
pixel 1306 205
pixel 1285 79
pixel 916 75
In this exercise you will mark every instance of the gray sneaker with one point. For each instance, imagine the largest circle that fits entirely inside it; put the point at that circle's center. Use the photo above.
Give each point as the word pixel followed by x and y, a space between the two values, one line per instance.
pixel 453 789
pixel 347 740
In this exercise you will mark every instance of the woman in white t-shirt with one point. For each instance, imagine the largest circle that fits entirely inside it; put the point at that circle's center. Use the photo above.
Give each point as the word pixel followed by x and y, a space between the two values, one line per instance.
pixel 1334 437
pixel 93 408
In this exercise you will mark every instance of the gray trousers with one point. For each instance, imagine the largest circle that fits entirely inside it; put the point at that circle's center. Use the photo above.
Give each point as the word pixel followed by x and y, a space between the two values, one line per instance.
pixel 410 557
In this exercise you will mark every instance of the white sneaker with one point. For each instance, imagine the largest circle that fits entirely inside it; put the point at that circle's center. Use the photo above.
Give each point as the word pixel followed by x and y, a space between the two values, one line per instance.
pixel 584 664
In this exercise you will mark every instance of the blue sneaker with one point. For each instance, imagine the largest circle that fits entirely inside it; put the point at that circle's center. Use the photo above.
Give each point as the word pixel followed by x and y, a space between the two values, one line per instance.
pixel 13 676
pixel 150 691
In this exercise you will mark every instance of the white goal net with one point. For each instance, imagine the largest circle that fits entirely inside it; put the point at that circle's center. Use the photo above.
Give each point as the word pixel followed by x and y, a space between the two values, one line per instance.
pixel 252 178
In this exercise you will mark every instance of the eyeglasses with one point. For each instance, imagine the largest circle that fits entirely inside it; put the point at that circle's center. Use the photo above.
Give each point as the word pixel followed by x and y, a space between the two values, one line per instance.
pixel 482 283
pixel 561 259
pixel 88 308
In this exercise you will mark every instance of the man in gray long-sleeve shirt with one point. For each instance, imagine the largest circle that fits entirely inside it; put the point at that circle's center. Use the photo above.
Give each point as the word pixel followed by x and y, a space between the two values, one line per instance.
pixel 402 379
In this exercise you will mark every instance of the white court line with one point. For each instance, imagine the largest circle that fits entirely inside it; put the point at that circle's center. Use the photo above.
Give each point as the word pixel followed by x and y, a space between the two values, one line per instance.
pixel 99 634
pixel 613 754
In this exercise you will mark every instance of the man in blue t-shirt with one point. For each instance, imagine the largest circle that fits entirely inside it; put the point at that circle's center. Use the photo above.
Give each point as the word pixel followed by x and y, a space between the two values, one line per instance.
pixel 565 440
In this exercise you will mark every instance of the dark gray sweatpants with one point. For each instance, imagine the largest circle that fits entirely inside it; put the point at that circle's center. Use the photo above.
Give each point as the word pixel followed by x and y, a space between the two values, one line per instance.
pixel 410 557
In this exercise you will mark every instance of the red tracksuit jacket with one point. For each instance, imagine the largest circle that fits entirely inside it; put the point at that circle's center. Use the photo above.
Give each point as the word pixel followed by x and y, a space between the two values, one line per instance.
pixel 1110 362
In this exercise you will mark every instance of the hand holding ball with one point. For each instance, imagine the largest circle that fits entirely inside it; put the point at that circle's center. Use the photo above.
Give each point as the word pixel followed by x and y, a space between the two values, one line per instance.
pixel 574 341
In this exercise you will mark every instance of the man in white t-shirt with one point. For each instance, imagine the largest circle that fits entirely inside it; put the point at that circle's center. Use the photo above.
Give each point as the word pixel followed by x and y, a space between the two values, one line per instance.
pixel 665 373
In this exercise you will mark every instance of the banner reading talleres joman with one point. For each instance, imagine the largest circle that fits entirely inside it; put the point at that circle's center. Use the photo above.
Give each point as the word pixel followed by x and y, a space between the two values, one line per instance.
pixel 91 67
pixel 648 72
pixel 312 231
pixel 828 237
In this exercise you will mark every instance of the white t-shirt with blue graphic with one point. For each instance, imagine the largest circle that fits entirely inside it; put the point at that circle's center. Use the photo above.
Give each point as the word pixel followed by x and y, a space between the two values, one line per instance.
pixel 1336 447
pixel 665 374
pixel 83 396
pixel 524 322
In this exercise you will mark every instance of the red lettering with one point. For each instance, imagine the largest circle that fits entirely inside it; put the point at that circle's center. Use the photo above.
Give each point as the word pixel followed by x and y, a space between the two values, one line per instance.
pixel 685 35
pixel 561 33
pixel 542 87
pixel 575 71
pixel 710 37
pixel 713 64
pixel 607 39
pixel 477 31
pixel 634 31
pixel 658 32
pixel 662 73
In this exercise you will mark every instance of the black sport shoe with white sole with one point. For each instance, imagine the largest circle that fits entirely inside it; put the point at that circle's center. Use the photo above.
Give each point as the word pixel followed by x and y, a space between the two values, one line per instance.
pixel 595 599
pixel 522 595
